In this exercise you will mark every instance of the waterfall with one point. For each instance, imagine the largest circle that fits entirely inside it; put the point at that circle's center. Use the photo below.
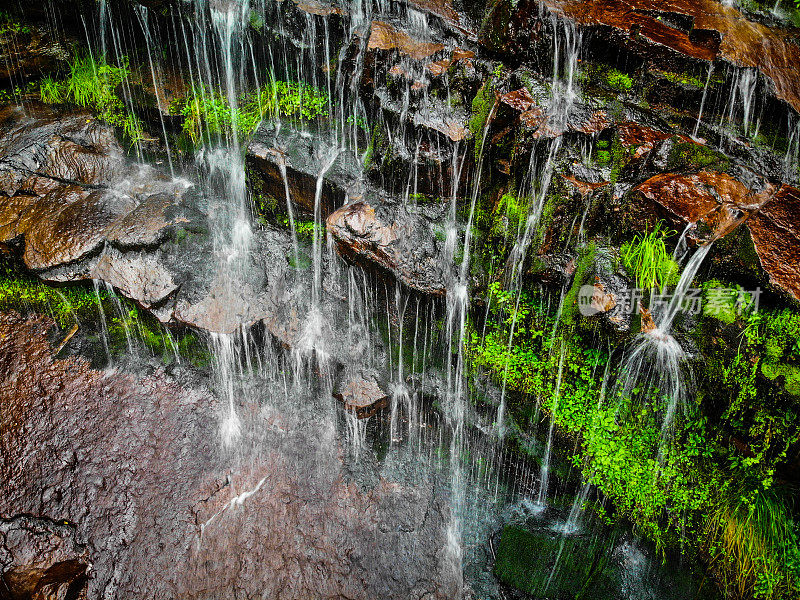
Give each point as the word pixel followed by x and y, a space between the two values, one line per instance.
pixel 655 361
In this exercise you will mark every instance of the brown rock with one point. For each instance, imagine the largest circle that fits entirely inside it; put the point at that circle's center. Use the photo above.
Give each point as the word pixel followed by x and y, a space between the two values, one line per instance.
pixel 134 464
pixel 67 235
pixel 385 37
pixel 361 393
pixel 743 43
pixel 520 100
pixel 775 231
pixel 715 199
pixel 393 239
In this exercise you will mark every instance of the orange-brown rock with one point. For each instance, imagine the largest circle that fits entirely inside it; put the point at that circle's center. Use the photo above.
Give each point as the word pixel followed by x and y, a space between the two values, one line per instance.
pixel 520 100
pixel 715 199
pixel 775 230
pixel 717 31
pixel 385 37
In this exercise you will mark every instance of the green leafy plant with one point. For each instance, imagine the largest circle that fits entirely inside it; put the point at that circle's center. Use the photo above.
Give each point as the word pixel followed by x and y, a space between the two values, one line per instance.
pixel 93 83
pixel 208 112
pixel 646 258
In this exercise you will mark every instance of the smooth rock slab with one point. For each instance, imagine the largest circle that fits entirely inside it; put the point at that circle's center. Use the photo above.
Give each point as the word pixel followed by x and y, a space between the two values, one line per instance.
pixel 134 463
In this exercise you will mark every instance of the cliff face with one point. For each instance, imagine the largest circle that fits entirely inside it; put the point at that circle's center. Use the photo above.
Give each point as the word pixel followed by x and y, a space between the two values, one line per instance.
pixel 450 212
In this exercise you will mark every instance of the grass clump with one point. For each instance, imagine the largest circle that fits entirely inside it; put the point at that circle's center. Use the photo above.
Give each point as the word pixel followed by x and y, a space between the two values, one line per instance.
pixel 753 546
pixel 92 84
pixel 647 260
pixel 208 112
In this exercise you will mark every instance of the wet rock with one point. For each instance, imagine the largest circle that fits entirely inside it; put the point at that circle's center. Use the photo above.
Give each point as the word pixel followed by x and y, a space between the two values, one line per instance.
pixel 28 52
pixel 716 200
pixel 40 558
pixel 704 30
pixel 776 237
pixel 138 274
pixel 305 158
pixel 396 238
pixel 160 510
pixel 384 36
pixel 42 147
pixel 361 392
pixel 74 231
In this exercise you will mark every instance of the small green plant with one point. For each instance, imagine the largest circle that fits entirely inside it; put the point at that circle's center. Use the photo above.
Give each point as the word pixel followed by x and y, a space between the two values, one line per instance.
pixel 208 112
pixel 646 258
pixel 9 25
pixel 93 83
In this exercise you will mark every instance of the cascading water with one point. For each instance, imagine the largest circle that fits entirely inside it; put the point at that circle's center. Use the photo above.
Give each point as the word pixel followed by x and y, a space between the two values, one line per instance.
pixel 655 362
pixel 428 427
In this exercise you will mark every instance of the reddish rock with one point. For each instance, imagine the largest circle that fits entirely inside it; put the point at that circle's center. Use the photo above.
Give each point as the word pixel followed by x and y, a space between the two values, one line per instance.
pixel 715 199
pixel 134 467
pixel 717 31
pixel 385 37
pixel 775 231
pixel 520 100
pixel 73 232
pixel 40 559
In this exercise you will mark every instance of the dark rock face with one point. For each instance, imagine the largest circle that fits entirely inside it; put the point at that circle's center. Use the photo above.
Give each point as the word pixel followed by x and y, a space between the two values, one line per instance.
pixel 396 238
pixel 305 158
pixel 40 558
pixel 28 52
pixel 146 499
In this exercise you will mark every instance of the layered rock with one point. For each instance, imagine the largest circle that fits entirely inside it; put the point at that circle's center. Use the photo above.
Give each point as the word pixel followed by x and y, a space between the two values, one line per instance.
pixel 397 238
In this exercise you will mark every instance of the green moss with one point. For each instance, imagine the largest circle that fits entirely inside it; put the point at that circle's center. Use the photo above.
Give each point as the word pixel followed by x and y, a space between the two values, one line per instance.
pixel 789 373
pixel 582 268
pixel 509 216
pixel 695 156
pixel 482 106
pixel 688 79
pixel 80 305
pixel 607 77
pixel 304 230
pixel 677 491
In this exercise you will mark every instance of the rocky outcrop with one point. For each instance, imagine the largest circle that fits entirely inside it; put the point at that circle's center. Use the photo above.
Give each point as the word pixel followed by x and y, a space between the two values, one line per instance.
pixel 283 157
pixel 776 236
pixel 704 30
pixel 361 392
pixel 395 238
pixel 75 208
pixel 29 52
pixel 145 495
pixel 40 558
pixel 714 200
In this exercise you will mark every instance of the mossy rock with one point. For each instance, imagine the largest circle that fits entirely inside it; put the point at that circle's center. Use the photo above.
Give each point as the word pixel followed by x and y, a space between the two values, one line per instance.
pixel 789 375
pixel 545 564
pixel 694 156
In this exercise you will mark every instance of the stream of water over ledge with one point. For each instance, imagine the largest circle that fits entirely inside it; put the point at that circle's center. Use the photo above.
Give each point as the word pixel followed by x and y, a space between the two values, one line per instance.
pixel 400 299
